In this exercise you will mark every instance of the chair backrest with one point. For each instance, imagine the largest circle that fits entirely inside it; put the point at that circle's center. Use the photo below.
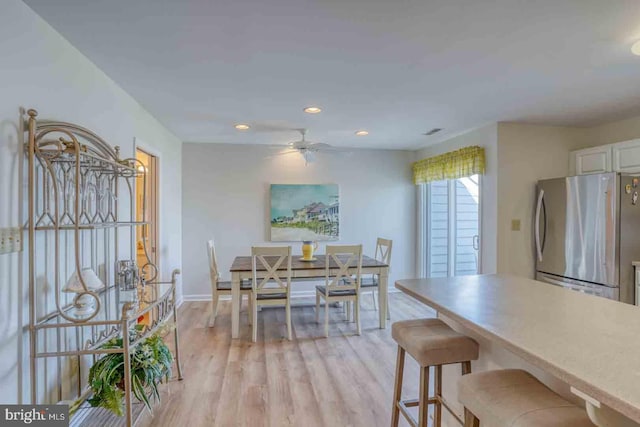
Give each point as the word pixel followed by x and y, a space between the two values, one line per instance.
pixel 339 262
pixel 383 250
pixel 271 260
pixel 214 273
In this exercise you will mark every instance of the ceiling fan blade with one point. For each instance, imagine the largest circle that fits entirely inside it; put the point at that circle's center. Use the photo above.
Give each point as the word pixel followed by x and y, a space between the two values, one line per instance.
pixel 277 145
pixel 282 153
pixel 320 146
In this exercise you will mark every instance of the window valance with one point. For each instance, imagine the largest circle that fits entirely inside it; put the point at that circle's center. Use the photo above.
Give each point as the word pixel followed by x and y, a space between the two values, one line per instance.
pixel 452 165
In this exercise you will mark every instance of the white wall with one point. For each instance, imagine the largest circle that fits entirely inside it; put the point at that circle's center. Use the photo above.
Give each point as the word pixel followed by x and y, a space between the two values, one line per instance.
pixel 226 196
pixel 526 154
pixel 41 70
pixel 486 137
pixel 620 130
pixel 517 156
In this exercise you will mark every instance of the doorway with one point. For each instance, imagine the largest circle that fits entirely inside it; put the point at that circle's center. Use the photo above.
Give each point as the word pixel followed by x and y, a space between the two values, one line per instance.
pixel 453 227
pixel 147 212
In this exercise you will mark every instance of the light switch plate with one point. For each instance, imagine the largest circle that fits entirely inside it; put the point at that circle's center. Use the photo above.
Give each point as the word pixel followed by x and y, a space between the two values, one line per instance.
pixel 515 225
pixel 10 240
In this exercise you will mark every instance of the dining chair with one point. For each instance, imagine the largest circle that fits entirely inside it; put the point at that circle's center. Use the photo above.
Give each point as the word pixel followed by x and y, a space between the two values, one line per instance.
pixel 371 283
pixel 219 287
pixel 340 282
pixel 270 288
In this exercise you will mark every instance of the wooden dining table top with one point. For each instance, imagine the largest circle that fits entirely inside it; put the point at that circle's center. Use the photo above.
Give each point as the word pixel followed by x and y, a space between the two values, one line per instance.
pixel 243 263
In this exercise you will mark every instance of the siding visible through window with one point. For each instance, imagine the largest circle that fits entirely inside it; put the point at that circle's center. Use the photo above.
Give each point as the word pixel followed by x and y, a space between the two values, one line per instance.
pixel 452 227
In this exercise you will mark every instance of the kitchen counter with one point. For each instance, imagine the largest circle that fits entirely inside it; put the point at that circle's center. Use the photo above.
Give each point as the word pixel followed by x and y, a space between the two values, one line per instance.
pixel 590 343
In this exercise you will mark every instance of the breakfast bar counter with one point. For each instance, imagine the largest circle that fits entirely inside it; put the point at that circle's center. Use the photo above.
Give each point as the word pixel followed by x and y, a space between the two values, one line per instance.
pixel 590 343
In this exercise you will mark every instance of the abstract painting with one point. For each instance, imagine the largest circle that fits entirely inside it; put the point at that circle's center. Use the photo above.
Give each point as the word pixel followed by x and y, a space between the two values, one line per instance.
pixel 305 212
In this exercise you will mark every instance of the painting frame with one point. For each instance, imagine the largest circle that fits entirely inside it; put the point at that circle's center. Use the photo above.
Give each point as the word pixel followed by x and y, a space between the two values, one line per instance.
pixel 304 212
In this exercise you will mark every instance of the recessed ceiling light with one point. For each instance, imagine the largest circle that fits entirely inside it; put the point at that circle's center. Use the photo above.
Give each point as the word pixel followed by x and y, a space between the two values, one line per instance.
pixel 362 133
pixel 312 110
pixel 242 126
pixel 635 48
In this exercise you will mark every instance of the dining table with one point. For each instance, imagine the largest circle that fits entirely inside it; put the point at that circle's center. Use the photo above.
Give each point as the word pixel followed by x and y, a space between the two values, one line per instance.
pixel 241 269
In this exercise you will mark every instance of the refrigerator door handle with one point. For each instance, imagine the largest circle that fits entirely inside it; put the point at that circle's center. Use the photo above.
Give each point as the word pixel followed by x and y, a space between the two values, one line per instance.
pixel 537 225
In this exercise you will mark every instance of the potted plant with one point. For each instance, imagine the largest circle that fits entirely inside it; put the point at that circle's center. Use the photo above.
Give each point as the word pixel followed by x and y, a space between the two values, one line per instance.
pixel 150 363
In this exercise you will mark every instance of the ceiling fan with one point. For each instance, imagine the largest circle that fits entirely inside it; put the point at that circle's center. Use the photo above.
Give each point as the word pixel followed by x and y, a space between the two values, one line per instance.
pixel 306 148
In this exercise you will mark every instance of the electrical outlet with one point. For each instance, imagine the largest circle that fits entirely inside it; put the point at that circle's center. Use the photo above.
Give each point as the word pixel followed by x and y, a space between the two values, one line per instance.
pixel 515 225
pixel 10 240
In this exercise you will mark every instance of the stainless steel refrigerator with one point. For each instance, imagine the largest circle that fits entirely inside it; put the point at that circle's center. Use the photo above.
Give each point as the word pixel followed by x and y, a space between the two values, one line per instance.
pixel 587 233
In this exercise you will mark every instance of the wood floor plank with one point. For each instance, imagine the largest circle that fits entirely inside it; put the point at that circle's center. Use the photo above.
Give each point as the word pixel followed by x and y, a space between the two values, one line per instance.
pixel 343 380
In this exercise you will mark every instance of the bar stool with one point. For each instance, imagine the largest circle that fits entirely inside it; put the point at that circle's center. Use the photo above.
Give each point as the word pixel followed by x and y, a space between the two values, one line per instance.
pixel 431 342
pixel 515 398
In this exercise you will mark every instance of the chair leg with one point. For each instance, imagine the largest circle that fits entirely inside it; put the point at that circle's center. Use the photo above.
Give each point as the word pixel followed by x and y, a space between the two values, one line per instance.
pixel 357 304
pixel 288 314
pixel 437 416
pixel 317 307
pixel 214 307
pixel 353 310
pixel 423 408
pixel 397 389
pixel 470 420
pixel 373 297
pixel 254 324
pixel 249 309
pixel 326 318
pixel 348 303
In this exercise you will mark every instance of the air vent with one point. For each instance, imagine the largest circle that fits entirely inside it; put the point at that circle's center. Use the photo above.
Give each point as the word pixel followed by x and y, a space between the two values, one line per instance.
pixel 432 131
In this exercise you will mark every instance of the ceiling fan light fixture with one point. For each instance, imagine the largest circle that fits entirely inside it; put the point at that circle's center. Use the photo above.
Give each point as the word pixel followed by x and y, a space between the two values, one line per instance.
pixel 635 48
pixel 362 132
pixel 242 126
pixel 312 110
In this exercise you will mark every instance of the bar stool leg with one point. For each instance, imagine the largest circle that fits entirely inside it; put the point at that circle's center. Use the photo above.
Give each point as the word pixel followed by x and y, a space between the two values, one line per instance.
pixel 437 417
pixel 470 420
pixel 466 368
pixel 397 389
pixel 423 408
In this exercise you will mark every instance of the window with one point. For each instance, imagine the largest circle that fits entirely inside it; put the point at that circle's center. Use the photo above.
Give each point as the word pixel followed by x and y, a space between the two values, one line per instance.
pixel 452 227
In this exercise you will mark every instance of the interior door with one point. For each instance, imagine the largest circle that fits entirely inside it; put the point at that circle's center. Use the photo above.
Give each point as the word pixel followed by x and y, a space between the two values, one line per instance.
pixel 147 209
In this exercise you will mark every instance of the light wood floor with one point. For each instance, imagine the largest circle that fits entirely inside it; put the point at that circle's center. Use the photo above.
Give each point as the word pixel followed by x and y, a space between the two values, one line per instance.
pixel 343 380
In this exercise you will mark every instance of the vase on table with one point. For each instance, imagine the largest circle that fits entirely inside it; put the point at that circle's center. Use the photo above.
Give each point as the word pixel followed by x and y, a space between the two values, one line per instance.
pixel 308 247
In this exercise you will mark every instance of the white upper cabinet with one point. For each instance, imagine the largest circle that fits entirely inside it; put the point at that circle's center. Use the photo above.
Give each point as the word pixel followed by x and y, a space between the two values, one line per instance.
pixel 591 160
pixel 626 156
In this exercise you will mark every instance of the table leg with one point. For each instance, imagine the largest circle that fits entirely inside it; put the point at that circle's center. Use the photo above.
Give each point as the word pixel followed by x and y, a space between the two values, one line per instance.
pixel 383 292
pixel 235 305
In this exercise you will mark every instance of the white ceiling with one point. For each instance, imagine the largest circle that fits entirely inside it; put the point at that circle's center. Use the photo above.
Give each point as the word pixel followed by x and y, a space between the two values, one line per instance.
pixel 397 68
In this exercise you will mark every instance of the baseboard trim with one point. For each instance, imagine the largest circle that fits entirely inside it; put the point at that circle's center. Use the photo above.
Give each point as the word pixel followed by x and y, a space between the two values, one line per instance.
pixel 294 294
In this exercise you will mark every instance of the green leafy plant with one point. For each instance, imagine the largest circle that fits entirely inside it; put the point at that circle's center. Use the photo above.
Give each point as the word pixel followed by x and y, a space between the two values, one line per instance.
pixel 150 364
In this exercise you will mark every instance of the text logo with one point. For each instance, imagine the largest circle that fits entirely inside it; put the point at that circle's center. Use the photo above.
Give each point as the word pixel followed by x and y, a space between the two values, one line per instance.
pixel 34 415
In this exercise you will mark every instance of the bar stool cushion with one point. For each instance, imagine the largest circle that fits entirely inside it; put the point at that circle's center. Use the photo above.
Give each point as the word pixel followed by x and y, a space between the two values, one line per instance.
pixel 515 398
pixel 432 342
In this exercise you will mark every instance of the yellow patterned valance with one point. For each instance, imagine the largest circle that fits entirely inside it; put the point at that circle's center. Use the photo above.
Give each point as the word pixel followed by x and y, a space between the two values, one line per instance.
pixel 452 165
